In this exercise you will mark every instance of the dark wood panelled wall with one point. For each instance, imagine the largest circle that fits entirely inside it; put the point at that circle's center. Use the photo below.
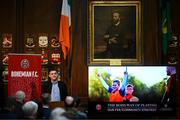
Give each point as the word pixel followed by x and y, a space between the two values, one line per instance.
pixel 39 16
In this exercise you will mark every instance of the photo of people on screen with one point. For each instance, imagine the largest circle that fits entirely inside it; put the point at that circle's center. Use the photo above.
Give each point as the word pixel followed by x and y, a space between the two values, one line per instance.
pixel 116 92
pixel 129 97
pixel 142 84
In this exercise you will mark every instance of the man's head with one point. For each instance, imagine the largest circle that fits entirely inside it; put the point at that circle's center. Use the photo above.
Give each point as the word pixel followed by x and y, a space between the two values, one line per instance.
pixel 116 85
pixel 20 96
pixel 30 109
pixel 129 89
pixel 77 101
pixel 116 17
pixel 53 74
pixel 45 98
pixel 69 102
pixel 56 113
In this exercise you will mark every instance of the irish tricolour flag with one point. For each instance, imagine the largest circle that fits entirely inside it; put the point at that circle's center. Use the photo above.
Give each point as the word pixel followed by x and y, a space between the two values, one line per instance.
pixel 65 23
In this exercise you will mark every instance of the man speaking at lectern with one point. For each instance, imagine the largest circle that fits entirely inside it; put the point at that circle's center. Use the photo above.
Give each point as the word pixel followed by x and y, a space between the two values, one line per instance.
pixel 57 89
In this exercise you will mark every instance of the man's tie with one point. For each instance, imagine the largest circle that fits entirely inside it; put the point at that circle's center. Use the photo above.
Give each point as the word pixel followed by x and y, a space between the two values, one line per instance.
pixel 55 93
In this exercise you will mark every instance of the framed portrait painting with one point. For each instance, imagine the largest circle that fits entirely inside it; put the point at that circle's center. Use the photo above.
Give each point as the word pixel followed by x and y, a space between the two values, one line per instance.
pixel 114 33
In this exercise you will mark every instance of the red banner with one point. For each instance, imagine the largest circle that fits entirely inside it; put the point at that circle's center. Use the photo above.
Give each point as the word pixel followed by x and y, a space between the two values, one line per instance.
pixel 25 74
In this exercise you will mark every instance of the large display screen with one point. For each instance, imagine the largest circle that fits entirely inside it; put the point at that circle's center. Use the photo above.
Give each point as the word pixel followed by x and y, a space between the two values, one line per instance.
pixel 131 89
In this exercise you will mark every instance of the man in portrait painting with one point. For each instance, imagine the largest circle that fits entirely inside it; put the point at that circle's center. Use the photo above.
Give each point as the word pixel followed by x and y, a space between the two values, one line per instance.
pixel 117 43
pixel 119 38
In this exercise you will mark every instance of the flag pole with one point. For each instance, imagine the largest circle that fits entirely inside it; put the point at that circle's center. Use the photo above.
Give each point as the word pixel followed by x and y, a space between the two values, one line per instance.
pixel 126 69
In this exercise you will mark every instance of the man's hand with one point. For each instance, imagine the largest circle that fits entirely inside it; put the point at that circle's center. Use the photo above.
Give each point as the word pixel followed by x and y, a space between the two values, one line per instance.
pixel 106 36
pixel 125 73
pixel 113 40
pixel 99 75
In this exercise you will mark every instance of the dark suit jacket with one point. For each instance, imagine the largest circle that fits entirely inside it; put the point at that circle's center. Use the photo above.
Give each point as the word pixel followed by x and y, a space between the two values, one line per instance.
pixel 47 87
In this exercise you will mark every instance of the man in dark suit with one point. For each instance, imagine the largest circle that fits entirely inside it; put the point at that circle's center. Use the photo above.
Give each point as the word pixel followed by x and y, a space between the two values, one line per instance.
pixel 117 43
pixel 57 89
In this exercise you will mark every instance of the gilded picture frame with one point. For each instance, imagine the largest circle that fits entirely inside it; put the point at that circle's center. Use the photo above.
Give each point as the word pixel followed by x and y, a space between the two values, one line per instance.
pixel 108 47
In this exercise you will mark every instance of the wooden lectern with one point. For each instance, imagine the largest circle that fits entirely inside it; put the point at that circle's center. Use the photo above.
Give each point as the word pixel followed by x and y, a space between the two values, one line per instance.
pixel 53 105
